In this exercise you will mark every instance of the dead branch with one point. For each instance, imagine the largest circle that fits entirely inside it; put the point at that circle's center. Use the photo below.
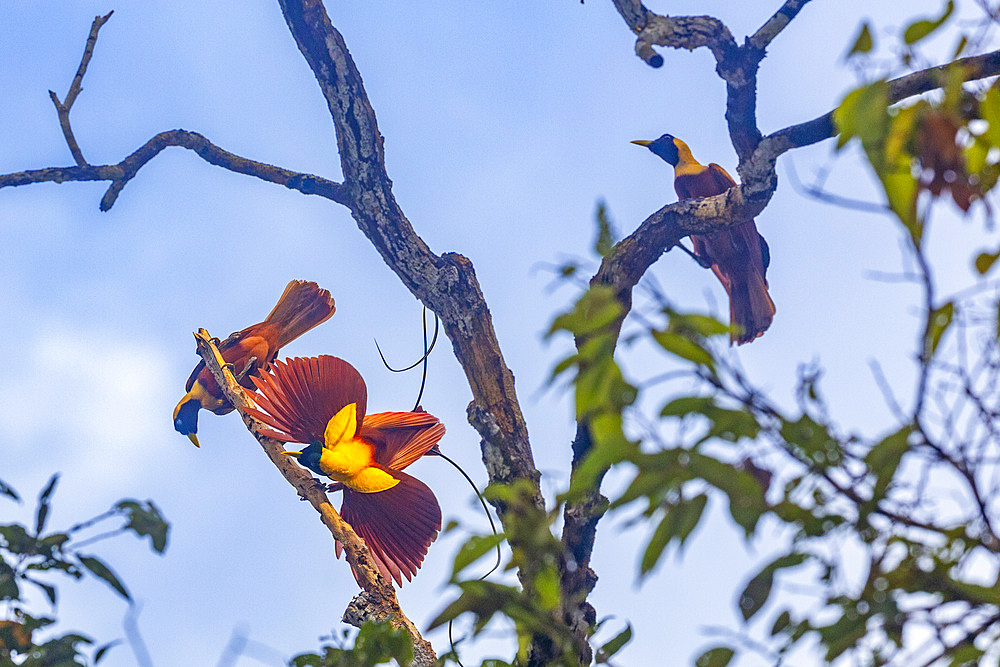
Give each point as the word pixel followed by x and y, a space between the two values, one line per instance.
pixel 121 173
pixel 62 108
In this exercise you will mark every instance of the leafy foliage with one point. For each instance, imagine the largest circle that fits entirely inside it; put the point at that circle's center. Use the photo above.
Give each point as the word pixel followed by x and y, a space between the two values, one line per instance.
pixel 28 556
pixel 374 644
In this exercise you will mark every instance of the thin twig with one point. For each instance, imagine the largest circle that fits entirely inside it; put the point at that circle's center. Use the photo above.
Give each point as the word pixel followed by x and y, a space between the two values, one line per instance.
pixel 119 174
pixel 62 108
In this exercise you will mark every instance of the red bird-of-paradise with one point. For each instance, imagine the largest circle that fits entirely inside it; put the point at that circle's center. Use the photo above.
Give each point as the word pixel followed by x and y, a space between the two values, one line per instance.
pixel 739 255
pixel 321 402
pixel 302 306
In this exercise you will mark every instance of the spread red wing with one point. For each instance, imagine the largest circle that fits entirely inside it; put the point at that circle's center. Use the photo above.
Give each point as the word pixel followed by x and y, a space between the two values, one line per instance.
pixel 397 525
pixel 298 397
pixel 400 438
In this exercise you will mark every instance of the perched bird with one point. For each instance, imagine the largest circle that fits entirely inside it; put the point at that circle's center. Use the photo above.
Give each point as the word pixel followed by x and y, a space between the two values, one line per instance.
pixel 321 401
pixel 738 255
pixel 302 306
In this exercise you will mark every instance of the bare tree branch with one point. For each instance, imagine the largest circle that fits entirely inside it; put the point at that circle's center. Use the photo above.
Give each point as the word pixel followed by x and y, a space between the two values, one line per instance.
pixel 916 83
pixel 121 173
pixel 767 32
pixel 446 283
pixel 62 108
pixel 381 603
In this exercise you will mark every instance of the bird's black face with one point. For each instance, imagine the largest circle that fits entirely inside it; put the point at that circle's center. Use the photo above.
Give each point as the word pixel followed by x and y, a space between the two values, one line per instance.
pixel 186 420
pixel 310 457
pixel 665 148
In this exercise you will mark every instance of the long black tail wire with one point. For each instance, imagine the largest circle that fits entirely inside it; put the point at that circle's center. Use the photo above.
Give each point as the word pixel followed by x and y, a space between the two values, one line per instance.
pixel 437 452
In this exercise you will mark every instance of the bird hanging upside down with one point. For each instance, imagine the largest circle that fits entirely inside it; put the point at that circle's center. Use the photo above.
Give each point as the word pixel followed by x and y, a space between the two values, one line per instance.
pixel 738 255
pixel 302 306
pixel 321 401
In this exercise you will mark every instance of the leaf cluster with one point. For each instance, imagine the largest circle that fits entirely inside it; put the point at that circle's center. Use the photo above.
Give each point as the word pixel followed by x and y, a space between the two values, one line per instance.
pixel 29 556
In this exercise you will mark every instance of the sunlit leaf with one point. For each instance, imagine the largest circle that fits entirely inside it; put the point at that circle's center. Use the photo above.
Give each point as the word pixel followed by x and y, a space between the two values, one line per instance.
pixel 863 43
pixel 547 588
pixel 596 308
pixel 938 322
pixel 863 114
pixel 473 549
pixel 985 261
pixel 686 405
pixel 684 348
pixel 612 646
pixel 918 30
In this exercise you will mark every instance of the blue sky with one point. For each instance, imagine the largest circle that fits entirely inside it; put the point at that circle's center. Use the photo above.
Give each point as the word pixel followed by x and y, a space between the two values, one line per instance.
pixel 503 125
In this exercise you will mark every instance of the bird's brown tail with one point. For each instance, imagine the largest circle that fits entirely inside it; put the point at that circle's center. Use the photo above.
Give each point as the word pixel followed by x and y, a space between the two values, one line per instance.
pixel 397 524
pixel 750 309
pixel 301 307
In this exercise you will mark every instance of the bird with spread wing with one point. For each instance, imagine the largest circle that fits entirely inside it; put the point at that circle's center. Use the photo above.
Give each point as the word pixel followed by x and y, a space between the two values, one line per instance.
pixel 321 402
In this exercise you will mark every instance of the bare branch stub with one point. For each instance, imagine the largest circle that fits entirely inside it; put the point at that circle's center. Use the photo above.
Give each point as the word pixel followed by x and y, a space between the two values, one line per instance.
pixel 63 108
pixel 382 604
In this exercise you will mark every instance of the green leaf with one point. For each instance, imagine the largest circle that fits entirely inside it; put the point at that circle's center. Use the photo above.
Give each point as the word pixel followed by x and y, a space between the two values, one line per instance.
pixel 685 405
pixel 474 548
pixel 612 646
pixel 986 260
pixel 966 655
pixel 680 520
pixel 883 459
pixel 606 237
pixel 863 43
pixel 758 589
pixel 746 495
pixel 918 30
pixel 783 621
pixel 812 441
pixel 938 322
pixel 103 572
pixel 547 588
pixel 146 521
pixel 595 309
pixel 684 347
pixel 715 657
pixel 863 114
pixel 43 503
